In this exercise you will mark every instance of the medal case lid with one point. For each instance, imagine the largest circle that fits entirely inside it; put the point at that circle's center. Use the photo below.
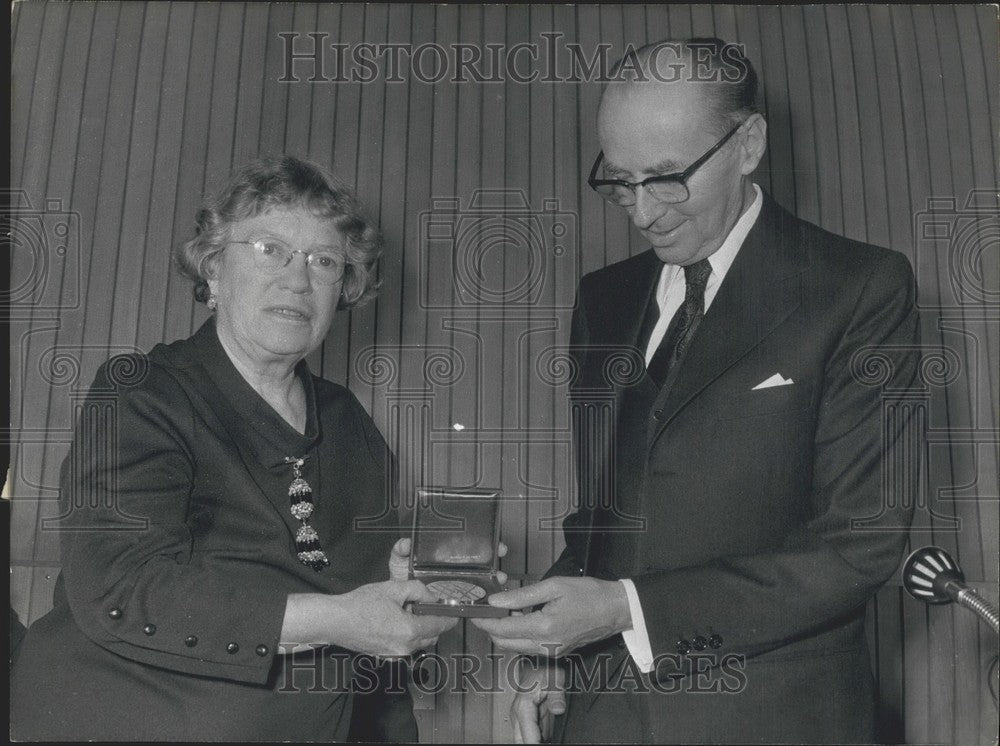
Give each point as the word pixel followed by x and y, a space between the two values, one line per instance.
pixel 455 538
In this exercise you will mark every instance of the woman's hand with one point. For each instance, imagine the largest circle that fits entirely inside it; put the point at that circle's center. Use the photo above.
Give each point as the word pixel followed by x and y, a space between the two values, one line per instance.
pixel 370 619
pixel 399 561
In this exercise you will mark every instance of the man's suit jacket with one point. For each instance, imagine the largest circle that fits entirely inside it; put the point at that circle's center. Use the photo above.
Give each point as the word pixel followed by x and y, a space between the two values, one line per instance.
pixel 179 554
pixel 747 551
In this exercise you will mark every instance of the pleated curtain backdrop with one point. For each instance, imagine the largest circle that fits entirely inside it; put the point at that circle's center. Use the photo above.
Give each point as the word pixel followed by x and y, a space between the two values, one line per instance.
pixel 882 127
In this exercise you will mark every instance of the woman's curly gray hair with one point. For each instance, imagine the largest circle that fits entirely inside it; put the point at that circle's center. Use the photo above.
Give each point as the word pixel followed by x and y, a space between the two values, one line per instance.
pixel 284 181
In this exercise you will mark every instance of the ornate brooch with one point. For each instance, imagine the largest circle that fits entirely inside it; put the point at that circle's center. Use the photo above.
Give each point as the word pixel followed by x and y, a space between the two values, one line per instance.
pixel 310 552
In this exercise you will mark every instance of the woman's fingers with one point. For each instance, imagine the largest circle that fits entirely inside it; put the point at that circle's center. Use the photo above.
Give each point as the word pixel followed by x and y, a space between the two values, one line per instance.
pixel 399 560
pixel 402 548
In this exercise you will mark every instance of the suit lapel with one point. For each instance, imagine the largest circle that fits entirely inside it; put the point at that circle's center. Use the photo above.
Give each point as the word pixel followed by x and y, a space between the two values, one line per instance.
pixel 761 290
pixel 637 305
pixel 634 304
pixel 623 297
pixel 627 301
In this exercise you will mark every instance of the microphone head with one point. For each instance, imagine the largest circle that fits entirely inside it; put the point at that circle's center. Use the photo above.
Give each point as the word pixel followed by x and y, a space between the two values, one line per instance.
pixel 927 573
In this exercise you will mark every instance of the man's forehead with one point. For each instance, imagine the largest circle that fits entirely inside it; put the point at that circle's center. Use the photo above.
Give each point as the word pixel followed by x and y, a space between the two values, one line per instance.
pixel 681 92
pixel 650 127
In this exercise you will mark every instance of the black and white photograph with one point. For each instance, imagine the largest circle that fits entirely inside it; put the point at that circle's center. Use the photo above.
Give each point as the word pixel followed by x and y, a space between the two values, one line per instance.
pixel 503 373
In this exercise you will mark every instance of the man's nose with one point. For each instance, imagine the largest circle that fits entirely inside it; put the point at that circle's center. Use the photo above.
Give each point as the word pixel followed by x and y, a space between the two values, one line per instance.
pixel 647 209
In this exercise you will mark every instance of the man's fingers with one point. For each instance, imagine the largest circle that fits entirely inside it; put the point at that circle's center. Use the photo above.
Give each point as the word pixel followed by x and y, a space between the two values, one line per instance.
pixel 525 716
pixel 556 701
pixel 486 625
pixel 517 730
pixel 529 595
pixel 553 704
pixel 528 625
pixel 545 724
pixel 528 647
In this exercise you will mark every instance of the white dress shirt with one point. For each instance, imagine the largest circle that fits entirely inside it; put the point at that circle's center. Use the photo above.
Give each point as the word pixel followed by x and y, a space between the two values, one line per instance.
pixel 669 296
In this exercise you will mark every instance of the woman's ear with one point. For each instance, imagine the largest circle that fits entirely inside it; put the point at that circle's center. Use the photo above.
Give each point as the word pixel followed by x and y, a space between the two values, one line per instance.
pixel 210 267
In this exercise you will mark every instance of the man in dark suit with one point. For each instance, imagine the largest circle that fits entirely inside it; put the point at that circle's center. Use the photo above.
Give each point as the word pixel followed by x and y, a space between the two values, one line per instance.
pixel 714 583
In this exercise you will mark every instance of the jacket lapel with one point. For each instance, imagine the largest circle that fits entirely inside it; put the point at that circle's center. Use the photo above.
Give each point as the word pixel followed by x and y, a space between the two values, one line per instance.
pixel 252 460
pixel 628 298
pixel 760 291
pixel 624 297
pixel 210 375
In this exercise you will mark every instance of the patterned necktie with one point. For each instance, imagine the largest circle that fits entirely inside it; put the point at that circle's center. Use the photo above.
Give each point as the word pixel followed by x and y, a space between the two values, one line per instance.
pixel 684 323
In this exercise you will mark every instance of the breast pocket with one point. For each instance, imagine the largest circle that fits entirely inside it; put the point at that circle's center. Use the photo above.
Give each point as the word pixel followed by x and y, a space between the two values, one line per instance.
pixel 772 401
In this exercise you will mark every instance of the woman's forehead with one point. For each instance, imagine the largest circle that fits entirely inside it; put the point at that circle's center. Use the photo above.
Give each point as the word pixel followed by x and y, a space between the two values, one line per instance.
pixel 291 221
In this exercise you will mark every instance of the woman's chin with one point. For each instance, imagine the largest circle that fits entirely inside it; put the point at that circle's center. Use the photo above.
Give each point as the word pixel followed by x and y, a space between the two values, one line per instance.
pixel 287 340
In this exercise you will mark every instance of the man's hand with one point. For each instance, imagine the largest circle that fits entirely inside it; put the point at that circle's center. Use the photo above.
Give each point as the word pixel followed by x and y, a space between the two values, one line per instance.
pixel 534 711
pixel 577 611
pixel 399 561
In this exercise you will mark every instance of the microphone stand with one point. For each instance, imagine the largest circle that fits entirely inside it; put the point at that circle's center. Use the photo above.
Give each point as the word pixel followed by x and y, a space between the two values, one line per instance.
pixel 932 576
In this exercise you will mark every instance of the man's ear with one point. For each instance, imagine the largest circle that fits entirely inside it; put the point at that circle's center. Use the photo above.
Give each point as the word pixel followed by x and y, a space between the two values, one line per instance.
pixel 753 143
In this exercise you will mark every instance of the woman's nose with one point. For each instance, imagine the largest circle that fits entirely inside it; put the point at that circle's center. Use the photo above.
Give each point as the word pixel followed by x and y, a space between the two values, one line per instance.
pixel 295 275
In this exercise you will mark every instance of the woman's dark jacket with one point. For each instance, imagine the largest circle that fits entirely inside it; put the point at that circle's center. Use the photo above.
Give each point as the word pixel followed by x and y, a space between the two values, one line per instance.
pixel 178 555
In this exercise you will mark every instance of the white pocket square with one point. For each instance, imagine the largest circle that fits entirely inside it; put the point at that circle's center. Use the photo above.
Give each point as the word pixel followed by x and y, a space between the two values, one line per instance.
pixel 776 380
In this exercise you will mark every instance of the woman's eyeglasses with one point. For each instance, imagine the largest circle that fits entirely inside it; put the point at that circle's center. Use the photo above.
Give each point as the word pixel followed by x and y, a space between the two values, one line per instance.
pixel 271 256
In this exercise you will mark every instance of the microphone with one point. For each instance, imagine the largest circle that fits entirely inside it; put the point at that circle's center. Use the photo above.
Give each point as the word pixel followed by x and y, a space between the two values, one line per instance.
pixel 932 576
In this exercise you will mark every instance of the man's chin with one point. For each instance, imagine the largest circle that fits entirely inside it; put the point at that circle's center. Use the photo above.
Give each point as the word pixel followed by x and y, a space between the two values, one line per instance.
pixel 674 253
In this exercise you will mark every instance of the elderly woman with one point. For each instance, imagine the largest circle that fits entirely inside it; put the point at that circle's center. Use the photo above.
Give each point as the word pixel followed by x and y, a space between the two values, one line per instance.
pixel 218 576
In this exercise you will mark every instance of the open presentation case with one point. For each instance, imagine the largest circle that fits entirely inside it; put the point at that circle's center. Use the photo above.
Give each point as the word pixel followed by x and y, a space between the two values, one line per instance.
pixel 456 535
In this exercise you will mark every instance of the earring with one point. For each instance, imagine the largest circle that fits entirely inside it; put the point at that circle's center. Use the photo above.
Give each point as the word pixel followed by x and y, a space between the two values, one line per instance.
pixel 212 303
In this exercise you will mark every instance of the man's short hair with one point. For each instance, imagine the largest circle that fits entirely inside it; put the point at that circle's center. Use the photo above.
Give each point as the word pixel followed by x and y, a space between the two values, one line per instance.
pixel 730 78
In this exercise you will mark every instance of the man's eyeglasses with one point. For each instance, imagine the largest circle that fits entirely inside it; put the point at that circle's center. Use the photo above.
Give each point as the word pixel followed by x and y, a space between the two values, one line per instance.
pixel 670 188
pixel 271 256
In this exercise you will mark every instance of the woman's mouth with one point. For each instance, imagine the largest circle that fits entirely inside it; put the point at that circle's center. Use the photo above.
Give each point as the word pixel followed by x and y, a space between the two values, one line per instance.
pixel 291 314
